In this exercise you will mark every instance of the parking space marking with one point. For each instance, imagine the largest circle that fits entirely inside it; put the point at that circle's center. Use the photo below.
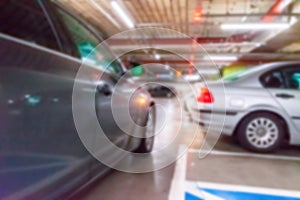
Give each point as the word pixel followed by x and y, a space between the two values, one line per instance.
pixel 241 191
pixel 247 155
pixel 214 191
pixel 178 182
pixel 193 193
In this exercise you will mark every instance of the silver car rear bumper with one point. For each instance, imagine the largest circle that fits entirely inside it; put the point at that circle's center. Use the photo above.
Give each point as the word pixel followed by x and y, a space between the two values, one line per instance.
pixel 216 121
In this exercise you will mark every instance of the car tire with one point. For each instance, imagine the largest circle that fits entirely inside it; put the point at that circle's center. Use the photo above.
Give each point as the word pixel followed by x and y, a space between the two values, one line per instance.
pixel 261 132
pixel 146 144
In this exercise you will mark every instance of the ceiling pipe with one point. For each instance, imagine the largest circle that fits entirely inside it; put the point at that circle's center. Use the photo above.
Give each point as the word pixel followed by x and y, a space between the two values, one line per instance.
pixel 182 41
pixel 187 63
pixel 277 8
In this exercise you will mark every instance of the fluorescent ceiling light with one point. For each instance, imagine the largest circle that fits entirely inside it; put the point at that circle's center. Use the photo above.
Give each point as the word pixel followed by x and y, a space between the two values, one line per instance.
pixel 259 26
pixel 221 57
pixel 244 19
pixel 122 14
pixel 293 20
pixel 107 15
pixel 255 26
pixel 157 56
pixel 231 43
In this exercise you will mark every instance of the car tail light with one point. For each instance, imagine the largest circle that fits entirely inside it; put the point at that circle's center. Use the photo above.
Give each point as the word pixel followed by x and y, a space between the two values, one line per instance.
pixel 205 96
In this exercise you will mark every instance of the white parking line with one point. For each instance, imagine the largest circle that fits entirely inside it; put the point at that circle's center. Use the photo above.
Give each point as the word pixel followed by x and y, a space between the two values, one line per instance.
pixel 248 155
pixel 177 190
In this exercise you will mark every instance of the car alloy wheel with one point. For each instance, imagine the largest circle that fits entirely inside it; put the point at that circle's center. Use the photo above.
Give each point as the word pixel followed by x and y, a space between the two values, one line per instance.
pixel 261 132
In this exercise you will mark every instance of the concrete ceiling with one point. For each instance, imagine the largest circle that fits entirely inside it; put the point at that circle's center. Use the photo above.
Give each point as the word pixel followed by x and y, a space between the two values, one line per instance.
pixel 250 46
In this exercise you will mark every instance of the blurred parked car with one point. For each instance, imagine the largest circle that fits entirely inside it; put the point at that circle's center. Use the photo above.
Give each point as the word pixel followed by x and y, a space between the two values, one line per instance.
pixel 42 46
pixel 162 91
pixel 262 106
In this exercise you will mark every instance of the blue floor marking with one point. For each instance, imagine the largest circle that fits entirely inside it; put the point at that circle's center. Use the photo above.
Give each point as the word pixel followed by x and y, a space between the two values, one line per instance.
pixel 189 196
pixel 202 190
pixel 233 195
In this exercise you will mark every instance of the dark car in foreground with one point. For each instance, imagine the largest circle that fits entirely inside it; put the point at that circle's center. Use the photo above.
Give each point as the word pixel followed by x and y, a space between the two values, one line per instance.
pixel 42 46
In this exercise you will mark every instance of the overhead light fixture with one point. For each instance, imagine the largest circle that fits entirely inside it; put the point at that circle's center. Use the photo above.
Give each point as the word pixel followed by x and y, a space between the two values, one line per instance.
pixel 198 15
pixel 259 26
pixel 244 19
pixel 198 12
pixel 221 58
pixel 123 16
pixel 157 56
pixel 255 26
pixel 102 11
pixel 293 20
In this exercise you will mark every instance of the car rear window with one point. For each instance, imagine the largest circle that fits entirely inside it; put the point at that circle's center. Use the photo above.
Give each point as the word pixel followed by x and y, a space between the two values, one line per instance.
pixel 241 74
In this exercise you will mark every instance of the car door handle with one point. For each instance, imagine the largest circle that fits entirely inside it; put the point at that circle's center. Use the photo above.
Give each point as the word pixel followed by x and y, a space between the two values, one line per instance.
pixel 105 89
pixel 285 96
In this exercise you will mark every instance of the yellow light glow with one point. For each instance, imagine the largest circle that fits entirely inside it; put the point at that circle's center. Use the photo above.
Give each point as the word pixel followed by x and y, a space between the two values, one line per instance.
pixel 141 101
pixel 178 73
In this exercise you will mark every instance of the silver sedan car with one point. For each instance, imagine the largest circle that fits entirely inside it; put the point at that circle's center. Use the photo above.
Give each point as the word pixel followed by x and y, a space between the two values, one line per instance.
pixel 260 106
